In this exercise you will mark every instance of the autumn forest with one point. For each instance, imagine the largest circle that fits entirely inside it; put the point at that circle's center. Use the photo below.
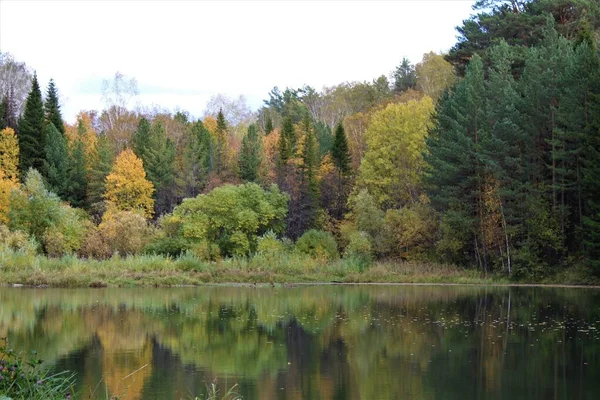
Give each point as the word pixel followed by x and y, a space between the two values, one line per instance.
pixel 484 159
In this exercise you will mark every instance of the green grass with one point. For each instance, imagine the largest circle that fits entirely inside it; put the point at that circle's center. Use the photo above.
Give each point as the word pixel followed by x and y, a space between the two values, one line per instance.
pixel 148 270
pixel 151 270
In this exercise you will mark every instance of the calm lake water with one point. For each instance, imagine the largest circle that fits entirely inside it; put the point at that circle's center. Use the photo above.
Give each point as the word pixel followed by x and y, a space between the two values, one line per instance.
pixel 316 342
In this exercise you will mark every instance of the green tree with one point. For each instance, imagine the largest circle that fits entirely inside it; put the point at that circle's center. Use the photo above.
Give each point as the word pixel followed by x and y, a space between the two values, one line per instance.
pixel 56 160
pixel 340 152
pixel 230 218
pixel 269 125
pixel 52 108
pixel 221 145
pixel 197 160
pixel 250 156
pixel 77 184
pixel 404 76
pixel 31 134
pixel 393 165
pixel 99 169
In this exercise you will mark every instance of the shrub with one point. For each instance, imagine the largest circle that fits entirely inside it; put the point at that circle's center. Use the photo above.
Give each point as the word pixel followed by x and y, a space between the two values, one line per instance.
pixel 318 244
pixel 230 218
pixel 359 246
pixel 269 245
pixel 17 241
pixel 411 229
pixel 167 246
pixel 122 232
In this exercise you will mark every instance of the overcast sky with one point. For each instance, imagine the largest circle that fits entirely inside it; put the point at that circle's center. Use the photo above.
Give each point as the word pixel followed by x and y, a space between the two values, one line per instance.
pixel 182 53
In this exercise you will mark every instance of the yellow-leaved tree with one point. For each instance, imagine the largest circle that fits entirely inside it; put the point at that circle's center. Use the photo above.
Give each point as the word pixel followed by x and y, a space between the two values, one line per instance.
pixel 9 169
pixel 393 164
pixel 127 188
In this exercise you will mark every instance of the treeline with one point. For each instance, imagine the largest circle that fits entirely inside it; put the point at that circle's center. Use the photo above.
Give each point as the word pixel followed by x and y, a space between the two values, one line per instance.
pixel 487 156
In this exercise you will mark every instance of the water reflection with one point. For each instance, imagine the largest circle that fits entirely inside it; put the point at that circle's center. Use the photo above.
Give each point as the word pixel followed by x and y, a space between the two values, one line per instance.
pixel 322 342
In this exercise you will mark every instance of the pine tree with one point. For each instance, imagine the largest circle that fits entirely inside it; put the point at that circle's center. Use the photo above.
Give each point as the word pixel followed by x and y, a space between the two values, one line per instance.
pixel 268 125
pixel 100 168
pixel 221 145
pixel 141 138
pixel 196 161
pixel 32 140
pixel 77 171
pixel 340 152
pixel 287 140
pixel 405 76
pixel 250 155
pixel 56 161
pixel 158 156
pixel 52 108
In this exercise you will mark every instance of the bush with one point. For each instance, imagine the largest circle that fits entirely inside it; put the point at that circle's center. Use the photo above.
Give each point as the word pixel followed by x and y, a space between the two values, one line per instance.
pixel 411 229
pixel 229 217
pixel 359 246
pixel 167 246
pixel 122 232
pixel 269 245
pixel 17 241
pixel 318 244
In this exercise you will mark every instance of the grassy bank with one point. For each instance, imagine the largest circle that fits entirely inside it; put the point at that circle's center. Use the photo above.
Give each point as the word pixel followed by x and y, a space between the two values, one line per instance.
pixel 70 271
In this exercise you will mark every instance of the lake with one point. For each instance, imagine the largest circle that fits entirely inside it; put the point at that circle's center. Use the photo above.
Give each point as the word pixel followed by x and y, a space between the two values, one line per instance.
pixel 315 342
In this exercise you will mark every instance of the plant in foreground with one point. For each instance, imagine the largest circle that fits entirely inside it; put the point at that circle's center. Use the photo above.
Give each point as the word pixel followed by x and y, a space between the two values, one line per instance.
pixel 22 378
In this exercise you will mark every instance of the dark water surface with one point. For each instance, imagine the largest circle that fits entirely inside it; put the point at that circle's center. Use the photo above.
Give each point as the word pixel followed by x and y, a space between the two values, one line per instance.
pixel 316 342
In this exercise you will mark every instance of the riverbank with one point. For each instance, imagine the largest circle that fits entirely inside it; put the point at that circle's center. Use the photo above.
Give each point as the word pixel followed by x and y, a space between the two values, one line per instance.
pixel 34 270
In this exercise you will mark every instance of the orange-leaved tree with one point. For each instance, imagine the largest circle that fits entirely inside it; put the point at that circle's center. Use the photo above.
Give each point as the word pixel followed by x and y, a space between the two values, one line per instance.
pixel 127 188
pixel 9 169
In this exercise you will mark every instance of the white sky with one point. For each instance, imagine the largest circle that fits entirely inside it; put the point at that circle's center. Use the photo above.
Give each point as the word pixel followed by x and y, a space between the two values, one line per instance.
pixel 183 52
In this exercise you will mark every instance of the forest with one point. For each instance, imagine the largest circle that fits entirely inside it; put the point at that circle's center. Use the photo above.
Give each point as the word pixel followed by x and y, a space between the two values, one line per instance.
pixel 486 157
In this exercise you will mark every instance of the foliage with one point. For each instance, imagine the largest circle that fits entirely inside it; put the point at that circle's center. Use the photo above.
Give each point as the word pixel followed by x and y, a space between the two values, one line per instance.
pixel 52 108
pixel 250 156
pixel 318 244
pixel 9 154
pixel 405 77
pixel 121 232
pixel 231 217
pixel 434 75
pixel 32 139
pixel 393 165
pixel 27 378
pixel 126 186
pixel 359 246
pixel 56 161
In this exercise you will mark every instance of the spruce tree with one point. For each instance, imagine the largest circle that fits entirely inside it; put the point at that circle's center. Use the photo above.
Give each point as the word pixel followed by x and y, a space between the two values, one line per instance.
pixel 340 153
pixel 32 140
pixel 56 161
pixel 287 140
pixel 141 138
pixel 99 169
pixel 250 155
pixel 52 108
pixel 77 171
pixel 405 76
pixel 221 145
pixel 195 164
pixel 268 125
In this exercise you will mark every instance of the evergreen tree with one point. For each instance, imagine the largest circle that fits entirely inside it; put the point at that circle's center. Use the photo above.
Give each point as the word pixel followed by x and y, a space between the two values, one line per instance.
pixel 340 152
pixel 268 125
pixel 250 155
pixel 405 76
pixel 3 111
pixel 52 108
pixel 324 137
pixel 32 140
pixel 221 145
pixel 158 156
pixel 56 161
pixel 196 161
pixel 287 140
pixel 77 171
pixel 99 169
pixel 141 138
